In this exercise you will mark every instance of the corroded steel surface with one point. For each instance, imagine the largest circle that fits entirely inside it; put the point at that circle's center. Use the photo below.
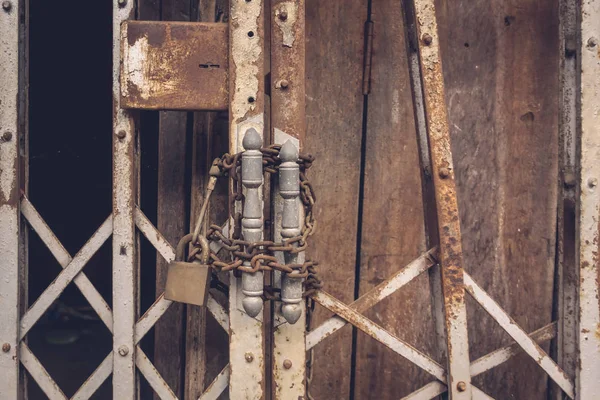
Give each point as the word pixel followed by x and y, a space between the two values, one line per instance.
pixel 174 65
pixel 588 375
pixel 124 271
pixel 9 200
pixel 446 201
pixel 246 110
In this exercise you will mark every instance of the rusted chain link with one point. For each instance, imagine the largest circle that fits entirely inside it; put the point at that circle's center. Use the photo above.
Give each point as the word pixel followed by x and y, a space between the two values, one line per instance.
pixel 260 254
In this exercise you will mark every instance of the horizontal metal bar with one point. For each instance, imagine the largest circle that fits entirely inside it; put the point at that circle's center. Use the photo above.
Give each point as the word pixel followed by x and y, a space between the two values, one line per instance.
pixel 65 277
pixel 153 377
pixel 519 335
pixel 39 374
pixel 218 385
pixel 373 296
pixel 63 257
pixel 381 335
pixel 91 385
pixel 486 363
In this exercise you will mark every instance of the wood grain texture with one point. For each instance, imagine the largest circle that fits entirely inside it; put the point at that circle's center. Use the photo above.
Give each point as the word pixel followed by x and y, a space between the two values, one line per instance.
pixel 171 216
pixel 206 344
pixel 393 217
pixel 501 70
pixel 334 108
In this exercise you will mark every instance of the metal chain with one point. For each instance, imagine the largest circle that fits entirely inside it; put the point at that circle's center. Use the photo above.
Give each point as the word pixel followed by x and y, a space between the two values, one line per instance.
pixel 260 254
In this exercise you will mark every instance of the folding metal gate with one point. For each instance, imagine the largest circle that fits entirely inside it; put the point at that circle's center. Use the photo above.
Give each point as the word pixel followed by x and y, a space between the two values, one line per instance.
pixel 245 375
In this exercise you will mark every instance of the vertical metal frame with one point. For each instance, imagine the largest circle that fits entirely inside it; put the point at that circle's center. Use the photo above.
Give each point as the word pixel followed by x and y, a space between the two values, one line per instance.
pixel 588 375
pixel 10 229
pixel 457 349
pixel 288 122
pixel 246 82
pixel 124 251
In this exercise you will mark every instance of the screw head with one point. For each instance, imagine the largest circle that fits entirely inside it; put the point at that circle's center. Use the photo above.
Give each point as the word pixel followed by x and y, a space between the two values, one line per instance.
pixel 122 3
pixel 6 5
pixel 444 173
pixel 427 39
pixel 123 351
pixel 592 182
pixel 461 386
pixel 287 364
pixel 284 84
pixel 283 15
pixel 6 347
pixel 249 357
pixel 121 135
pixel 7 136
pixel 570 180
pixel 592 42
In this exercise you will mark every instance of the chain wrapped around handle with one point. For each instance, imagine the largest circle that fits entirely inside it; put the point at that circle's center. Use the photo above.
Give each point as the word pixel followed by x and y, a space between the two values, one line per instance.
pixel 259 255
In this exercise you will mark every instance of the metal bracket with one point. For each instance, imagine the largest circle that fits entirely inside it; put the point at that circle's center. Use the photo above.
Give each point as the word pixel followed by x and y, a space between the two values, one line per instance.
pixel 174 66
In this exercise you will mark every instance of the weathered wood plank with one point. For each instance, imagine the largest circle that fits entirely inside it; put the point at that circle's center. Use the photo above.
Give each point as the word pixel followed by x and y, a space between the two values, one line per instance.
pixel 171 220
pixel 334 108
pixel 501 65
pixel 393 217
pixel 206 347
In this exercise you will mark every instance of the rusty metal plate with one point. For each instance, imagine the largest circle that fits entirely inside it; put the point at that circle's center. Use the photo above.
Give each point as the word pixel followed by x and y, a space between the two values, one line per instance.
pixel 174 65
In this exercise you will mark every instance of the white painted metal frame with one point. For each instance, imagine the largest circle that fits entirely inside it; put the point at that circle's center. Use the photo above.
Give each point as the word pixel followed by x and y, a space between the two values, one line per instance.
pixel 588 371
pixel 10 229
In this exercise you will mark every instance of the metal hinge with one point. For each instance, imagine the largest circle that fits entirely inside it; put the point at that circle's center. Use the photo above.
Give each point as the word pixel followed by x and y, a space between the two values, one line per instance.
pixel 368 57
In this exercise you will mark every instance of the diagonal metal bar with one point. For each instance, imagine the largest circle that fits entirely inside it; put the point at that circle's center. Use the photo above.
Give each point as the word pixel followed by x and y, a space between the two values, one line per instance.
pixel 519 335
pixel 153 376
pixel 65 277
pixel 218 385
pixel 39 374
pixel 374 296
pixel 485 363
pixel 504 354
pixel 161 305
pixel 63 257
pixel 91 385
pixel 381 335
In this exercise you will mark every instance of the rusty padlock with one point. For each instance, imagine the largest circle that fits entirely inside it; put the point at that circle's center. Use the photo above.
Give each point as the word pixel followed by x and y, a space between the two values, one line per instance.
pixel 188 282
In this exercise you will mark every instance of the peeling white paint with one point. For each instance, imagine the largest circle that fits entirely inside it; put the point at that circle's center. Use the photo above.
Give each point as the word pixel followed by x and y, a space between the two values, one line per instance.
pixel 287 26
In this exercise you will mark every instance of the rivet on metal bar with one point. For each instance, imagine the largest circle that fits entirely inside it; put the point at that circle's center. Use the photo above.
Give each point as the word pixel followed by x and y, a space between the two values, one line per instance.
pixel 252 222
pixel 289 188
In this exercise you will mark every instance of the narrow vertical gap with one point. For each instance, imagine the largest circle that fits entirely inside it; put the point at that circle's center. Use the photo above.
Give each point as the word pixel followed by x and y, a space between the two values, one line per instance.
pixel 359 223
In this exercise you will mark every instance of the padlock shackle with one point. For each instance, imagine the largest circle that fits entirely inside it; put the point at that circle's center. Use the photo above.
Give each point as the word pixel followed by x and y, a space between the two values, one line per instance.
pixel 186 240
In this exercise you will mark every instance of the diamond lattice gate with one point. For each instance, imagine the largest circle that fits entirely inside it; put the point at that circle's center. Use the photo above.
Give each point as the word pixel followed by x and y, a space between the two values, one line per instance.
pixel 151 73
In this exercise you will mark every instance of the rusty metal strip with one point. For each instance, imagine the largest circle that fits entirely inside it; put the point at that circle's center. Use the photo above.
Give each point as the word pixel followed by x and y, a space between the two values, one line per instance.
pixel 435 389
pixel 174 65
pixel 93 383
pixel 567 292
pixel 153 377
pixel 588 375
pixel 519 336
pixel 218 385
pixel 124 270
pixel 246 111
pixel 39 374
pixel 10 229
pixel 65 277
pixel 486 362
pixel 64 259
pixel 288 121
pixel 373 296
pixel 446 201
